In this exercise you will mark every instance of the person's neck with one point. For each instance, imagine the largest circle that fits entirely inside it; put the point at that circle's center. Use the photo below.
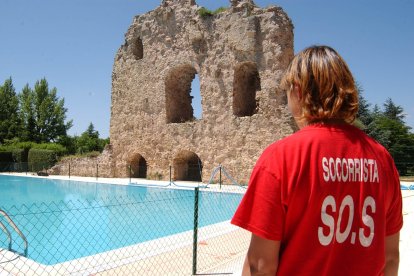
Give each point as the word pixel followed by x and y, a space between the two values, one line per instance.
pixel 328 122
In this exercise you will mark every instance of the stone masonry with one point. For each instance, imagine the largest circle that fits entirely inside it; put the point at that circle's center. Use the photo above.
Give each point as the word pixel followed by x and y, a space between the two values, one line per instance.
pixel 239 55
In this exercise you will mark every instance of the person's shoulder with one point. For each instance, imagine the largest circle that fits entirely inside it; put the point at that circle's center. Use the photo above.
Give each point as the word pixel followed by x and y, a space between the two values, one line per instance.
pixel 368 139
pixel 355 133
pixel 284 143
pixel 306 133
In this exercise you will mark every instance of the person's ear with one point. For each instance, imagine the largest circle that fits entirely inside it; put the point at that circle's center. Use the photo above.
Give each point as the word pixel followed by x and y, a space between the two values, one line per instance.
pixel 298 91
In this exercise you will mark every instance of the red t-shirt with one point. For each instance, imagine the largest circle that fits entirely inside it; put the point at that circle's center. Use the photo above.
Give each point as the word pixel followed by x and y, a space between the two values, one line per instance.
pixel 330 194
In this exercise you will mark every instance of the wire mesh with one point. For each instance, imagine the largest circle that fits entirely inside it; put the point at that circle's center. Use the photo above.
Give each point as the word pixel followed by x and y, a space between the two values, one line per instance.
pixel 149 233
pixel 146 234
pixel 221 247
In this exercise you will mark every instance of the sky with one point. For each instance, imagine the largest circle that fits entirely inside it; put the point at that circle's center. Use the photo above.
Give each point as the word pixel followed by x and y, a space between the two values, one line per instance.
pixel 72 43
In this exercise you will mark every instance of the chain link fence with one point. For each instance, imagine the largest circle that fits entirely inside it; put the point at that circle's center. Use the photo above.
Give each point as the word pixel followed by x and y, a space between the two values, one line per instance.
pixel 405 168
pixel 159 231
pixel 85 167
pixel 170 230
pixel 24 167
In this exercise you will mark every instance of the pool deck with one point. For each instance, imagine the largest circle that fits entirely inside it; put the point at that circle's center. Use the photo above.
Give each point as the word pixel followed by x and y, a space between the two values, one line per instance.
pixel 229 261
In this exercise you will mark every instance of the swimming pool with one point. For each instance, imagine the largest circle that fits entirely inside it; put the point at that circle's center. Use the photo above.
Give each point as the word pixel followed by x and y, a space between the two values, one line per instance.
pixel 65 220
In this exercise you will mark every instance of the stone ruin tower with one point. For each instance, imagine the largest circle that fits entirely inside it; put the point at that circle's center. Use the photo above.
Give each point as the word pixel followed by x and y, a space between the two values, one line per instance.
pixel 239 56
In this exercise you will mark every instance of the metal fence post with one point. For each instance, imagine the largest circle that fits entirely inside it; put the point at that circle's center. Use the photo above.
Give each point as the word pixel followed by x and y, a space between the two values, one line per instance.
pixel 97 171
pixel 69 169
pixel 195 230
pixel 220 177
pixel 170 174
pixel 130 172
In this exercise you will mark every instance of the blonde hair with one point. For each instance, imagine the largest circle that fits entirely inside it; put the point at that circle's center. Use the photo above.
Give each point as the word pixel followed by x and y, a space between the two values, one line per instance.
pixel 327 87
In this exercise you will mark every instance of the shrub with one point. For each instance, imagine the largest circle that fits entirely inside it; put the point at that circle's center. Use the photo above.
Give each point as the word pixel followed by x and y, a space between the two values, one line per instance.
pixel 40 159
pixel 57 148
pixel 219 10
pixel 17 145
pixel 19 155
pixel 91 154
pixel 6 159
pixel 24 145
pixel 203 12
pixel 39 156
pixel 6 156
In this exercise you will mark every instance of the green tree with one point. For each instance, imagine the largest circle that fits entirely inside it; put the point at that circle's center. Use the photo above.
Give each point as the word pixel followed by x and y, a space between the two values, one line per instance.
pixel 27 110
pixel 401 142
pixel 44 113
pixel 69 142
pixel 91 132
pixel 389 129
pixel 103 143
pixel 9 108
pixel 364 114
pixel 374 129
pixel 89 141
pixel 393 111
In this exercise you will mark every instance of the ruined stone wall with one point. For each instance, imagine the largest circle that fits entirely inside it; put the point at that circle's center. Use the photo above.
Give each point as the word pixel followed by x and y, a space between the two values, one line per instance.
pixel 101 166
pixel 239 56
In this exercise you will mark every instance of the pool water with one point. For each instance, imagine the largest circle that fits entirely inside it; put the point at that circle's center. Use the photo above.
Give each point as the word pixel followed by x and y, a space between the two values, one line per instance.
pixel 65 220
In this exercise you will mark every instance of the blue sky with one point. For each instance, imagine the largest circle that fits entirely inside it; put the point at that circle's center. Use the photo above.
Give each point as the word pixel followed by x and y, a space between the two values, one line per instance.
pixel 72 43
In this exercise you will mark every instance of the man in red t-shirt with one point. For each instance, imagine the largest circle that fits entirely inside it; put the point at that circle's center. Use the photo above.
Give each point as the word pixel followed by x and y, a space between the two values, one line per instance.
pixel 325 200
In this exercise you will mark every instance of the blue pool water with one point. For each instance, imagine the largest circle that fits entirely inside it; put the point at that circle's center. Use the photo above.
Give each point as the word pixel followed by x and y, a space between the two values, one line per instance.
pixel 65 220
pixel 407 187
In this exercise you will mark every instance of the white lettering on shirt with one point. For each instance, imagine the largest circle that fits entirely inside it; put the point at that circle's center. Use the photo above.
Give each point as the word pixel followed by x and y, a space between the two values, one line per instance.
pixel 331 231
pixel 350 169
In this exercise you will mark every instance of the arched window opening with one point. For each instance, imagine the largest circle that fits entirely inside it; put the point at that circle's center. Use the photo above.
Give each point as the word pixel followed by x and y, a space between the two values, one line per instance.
pixel 187 166
pixel 138 166
pixel 138 49
pixel 196 98
pixel 177 94
pixel 245 84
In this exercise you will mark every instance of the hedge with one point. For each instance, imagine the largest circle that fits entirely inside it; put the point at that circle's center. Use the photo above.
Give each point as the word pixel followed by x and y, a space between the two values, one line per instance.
pixel 20 155
pixel 40 159
pixel 57 148
pixel 6 156
pixel 6 160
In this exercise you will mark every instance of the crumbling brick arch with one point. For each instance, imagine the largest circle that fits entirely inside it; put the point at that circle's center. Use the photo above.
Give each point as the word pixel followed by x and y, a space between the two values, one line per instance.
pixel 138 48
pixel 138 166
pixel 246 83
pixel 177 94
pixel 187 166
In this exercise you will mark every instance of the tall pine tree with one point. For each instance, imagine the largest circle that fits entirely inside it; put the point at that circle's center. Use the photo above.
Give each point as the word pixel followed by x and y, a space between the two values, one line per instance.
pixel 389 129
pixel 89 140
pixel 393 111
pixel 364 114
